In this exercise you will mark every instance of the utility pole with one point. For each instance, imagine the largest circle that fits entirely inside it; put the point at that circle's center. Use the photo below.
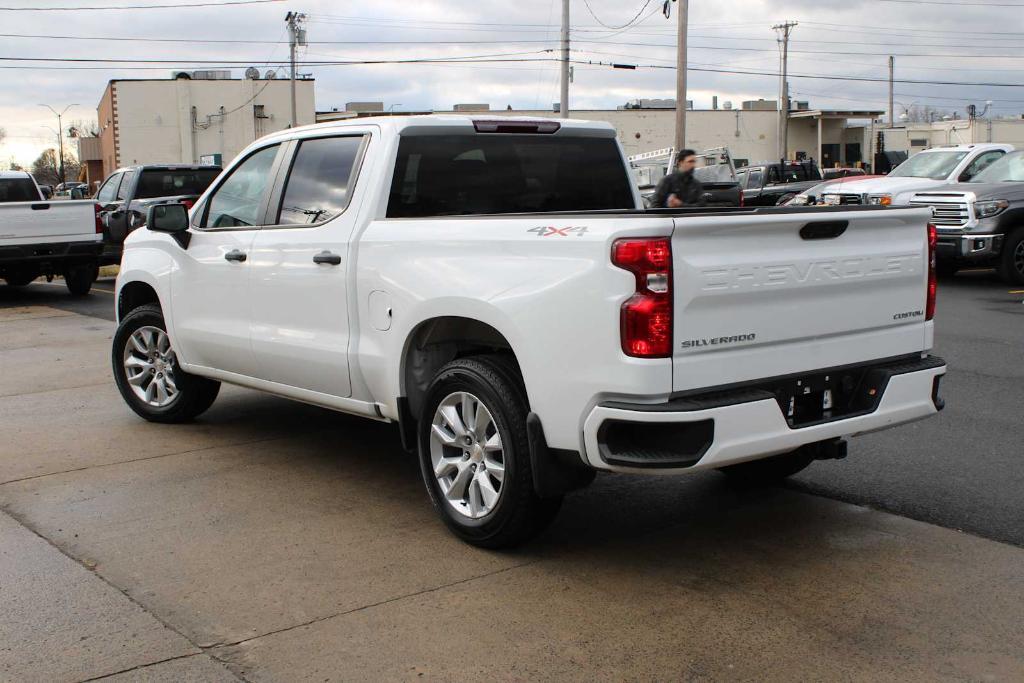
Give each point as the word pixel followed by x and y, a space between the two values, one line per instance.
pixel 296 36
pixel 892 112
pixel 684 11
pixel 60 135
pixel 563 98
pixel 783 31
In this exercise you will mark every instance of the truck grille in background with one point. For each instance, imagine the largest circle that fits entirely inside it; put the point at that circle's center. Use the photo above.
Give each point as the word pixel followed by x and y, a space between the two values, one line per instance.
pixel 949 212
pixel 849 198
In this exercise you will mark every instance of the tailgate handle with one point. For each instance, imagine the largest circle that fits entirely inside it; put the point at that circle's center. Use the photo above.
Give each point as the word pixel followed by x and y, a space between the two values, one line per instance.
pixel 823 230
pixel 40 207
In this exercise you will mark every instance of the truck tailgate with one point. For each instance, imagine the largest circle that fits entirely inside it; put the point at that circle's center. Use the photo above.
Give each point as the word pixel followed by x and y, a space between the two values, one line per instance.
pixel 775 294
pixel 44 222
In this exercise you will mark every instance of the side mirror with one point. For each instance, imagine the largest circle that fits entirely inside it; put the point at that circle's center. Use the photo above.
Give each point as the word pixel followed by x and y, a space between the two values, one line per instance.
pixel 964 177
pixel 172 219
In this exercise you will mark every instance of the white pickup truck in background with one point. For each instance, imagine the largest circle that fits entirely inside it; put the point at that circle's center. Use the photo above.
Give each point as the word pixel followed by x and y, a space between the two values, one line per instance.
pixel 925 170
pixel 495 288
pixel 46 238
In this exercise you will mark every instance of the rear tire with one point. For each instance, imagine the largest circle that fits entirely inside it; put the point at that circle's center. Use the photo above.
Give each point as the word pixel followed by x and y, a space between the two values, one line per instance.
pixel 79 278
pixel 478 474
pixel 142 357
pixel 771 470
pixel 1011 263
pixel 20 278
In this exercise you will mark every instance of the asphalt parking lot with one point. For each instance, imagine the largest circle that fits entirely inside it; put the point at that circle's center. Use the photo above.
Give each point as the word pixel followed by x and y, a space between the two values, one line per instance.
pixel 275 541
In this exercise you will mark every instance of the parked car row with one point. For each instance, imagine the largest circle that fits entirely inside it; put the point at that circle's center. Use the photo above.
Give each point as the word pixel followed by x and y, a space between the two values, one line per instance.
pixel 73 237
pixel 975 192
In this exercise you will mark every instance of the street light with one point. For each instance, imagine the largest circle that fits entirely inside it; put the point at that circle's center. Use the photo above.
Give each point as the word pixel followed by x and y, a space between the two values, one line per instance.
pixel 60 134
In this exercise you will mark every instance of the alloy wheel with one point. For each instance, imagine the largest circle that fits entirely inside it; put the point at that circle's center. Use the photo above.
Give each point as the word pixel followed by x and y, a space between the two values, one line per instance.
pixel 467 455
pixel 149 365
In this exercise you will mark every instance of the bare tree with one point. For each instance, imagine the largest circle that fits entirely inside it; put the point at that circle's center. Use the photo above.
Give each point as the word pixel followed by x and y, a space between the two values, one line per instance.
pixel 82 128
pixel 46 167
pixel 917 113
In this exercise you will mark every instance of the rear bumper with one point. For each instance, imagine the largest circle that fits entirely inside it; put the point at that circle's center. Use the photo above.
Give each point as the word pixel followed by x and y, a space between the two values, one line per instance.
pixel 727 427
pixel 968 247
pixel 51 252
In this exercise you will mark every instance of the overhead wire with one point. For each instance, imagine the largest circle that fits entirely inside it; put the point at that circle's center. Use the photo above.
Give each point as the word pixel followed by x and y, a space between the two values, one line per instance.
pixel 631 22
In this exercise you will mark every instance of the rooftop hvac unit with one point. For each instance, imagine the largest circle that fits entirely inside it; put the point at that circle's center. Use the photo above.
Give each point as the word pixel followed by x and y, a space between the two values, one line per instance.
pixel 212 75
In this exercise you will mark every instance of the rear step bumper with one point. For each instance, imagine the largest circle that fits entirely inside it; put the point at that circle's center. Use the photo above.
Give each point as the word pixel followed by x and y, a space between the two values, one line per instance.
pixel 719 428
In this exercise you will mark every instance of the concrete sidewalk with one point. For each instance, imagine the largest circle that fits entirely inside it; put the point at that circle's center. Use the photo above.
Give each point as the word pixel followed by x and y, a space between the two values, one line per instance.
pixel 275 541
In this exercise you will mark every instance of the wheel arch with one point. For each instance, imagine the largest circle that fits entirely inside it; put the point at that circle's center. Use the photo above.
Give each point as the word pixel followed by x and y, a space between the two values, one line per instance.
pixel 133 294
pixel 439 339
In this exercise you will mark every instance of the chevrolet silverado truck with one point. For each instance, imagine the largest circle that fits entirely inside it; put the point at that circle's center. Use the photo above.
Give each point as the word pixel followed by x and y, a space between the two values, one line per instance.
pixel 981 222
pixel 46 238
pixel 127 193
pixel 924 171
pixel 496 289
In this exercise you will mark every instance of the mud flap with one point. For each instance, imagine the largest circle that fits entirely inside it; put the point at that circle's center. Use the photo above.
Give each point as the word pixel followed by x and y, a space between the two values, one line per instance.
pixel 555 471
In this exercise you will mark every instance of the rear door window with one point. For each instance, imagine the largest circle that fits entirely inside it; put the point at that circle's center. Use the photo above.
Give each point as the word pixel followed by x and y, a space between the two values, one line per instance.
pixel 487 174
pixel 754 179
pixel 126 184
pixel 319 183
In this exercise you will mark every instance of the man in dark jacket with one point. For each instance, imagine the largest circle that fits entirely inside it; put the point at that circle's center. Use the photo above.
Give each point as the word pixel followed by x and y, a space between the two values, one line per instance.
pixel 679 188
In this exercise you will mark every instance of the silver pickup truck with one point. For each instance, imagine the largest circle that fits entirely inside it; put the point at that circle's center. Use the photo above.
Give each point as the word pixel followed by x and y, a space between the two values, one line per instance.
pixel 981 222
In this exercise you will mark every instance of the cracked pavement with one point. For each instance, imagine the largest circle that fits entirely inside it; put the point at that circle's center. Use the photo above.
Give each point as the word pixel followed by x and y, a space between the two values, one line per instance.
pixel 274 541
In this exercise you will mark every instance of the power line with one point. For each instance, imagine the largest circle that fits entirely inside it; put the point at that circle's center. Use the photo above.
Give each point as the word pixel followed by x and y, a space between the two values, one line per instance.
pixel 629 23
pixel 241 41
pixel 121 7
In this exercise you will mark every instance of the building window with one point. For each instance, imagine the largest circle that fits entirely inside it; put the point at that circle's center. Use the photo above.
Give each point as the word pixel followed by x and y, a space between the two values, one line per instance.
pixel 918 142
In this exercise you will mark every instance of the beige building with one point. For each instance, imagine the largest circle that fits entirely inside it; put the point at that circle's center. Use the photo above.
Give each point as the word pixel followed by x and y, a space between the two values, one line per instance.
pixel 833 138
pixel 194 117
pixel 914 137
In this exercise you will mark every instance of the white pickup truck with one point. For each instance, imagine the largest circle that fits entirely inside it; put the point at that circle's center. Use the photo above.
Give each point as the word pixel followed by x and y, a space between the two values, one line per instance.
pixel 926 170
pixel 493 287
pixel 40 237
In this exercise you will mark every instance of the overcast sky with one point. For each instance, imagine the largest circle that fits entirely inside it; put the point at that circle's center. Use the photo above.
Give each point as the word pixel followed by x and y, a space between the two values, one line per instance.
pixel 940 40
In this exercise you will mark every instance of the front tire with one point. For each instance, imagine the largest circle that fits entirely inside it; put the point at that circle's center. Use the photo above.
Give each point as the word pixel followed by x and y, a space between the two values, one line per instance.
pixel 1011 263
pixel 147 374
pixel 474 454
pixel 771 470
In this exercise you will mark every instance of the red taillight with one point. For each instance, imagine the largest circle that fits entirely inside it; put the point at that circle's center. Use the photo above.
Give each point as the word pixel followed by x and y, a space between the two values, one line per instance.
pixel 189 203
pixel 933 283
pixel 646 317
pixel 741 198
pixel 99 223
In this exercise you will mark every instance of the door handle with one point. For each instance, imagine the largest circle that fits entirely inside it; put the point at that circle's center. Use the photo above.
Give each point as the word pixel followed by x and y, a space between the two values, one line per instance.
pixel 235 255
pixel 328 258
pixel 823 230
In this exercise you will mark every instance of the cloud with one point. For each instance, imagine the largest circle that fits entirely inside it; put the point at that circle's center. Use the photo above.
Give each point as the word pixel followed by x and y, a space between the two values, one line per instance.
pixel 852 38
